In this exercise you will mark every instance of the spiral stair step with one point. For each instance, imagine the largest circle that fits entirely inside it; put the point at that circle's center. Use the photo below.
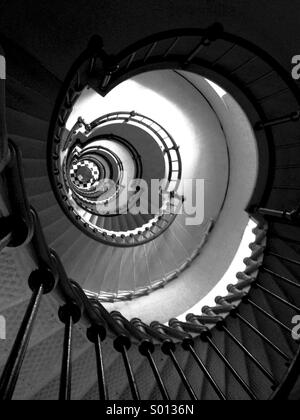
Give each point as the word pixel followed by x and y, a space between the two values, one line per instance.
pixel 28 114
pixel 21 98
pixel 66 237
pixel 141 271
pixel 51 215
pixel 26 127
pixel 127 272
pixel 111 275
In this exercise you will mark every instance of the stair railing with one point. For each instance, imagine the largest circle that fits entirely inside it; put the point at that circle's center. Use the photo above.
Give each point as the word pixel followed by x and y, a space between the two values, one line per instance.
pixel 51 277
pixel 50 273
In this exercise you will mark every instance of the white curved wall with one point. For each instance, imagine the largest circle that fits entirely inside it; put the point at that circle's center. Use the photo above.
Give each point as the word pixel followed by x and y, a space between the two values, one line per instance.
pixel 176 105
pixel 196 282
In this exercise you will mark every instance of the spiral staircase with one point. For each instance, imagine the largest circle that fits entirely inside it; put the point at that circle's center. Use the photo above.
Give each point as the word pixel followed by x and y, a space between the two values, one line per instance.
pixel 74 274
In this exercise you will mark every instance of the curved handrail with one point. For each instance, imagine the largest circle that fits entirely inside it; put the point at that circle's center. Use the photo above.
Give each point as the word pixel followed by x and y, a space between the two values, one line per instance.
pixel 207 36
pixel 140 234
pixel 211 34
pixel 148 123
pixel 94 313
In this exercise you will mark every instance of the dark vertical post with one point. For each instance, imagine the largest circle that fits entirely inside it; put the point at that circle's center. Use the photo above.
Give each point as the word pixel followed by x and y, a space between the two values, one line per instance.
pixel 168 347
pixel 146 348
pixel 257 363
pixel 131 379
pixel 122 344
pixel 96 334
pixel 69 315
pixel 183 377
pixel 206 336
pixel 66 370
pixel 157 375
pixel 188 345
pixel 40 282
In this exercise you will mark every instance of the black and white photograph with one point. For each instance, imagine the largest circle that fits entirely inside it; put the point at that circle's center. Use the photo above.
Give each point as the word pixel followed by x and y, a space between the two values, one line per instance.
pixel 150 203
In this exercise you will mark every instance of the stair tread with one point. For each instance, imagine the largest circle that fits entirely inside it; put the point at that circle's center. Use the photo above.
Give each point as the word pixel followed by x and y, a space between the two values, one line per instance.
pixel 140 267
pixel 26 126
pixel 97 269
pixel 111 276
pixel 24 67
pixel 22 99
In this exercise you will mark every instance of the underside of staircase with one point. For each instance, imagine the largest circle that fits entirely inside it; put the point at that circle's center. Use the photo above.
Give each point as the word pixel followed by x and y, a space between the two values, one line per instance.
pixel 240 348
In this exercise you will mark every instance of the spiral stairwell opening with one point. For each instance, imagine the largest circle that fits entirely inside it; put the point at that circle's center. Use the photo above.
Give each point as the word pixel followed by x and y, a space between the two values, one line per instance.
pixel 177 106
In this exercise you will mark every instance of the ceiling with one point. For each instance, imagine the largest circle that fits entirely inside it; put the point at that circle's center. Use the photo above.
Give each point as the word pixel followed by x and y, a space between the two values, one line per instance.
pixel 57 31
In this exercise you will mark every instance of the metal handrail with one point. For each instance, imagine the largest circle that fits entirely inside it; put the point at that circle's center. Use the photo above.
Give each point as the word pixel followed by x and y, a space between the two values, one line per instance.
pixel 94 313
pixel 131 236
pixel 148 123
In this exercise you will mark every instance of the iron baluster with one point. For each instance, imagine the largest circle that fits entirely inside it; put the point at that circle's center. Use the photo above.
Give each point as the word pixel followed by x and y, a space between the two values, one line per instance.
pixel 40 282
pixel 69 315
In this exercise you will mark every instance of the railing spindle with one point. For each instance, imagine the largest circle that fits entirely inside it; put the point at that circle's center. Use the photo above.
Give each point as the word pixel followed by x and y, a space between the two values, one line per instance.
pixel 122 344
pixel 157 375
pixel 263 337
pixel 171 47
pixel 131 378
pixel 258 364
pixel 96 335
pixel 69 315
pixel 293 117
pixel 275 296
pixel 268 315
pixel 40 282
pixel 283 258
pixel 187 345
pixel 280 277
pixel 168 348
pixel 207 374
pixel 146 348
pixel 226 362
pixel 206 336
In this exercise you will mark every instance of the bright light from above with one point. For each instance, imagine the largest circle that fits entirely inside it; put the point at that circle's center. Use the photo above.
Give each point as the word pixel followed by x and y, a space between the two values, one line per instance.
pixel 221 92
pixel 128 96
